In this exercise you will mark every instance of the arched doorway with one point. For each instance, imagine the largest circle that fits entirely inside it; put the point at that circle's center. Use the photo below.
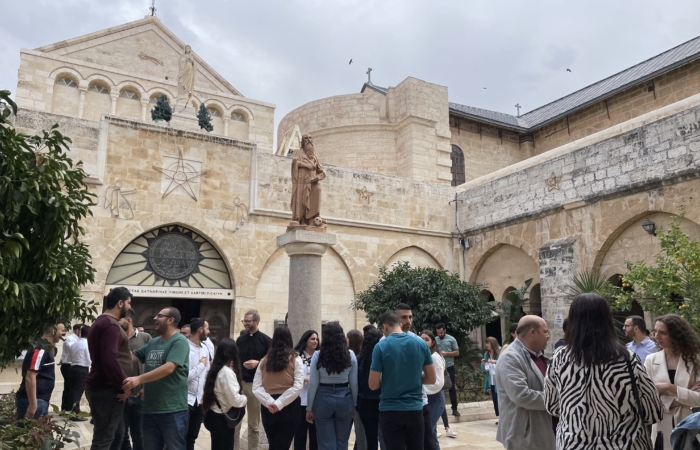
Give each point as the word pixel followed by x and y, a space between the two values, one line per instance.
pixel 493 328
pixel 619 317
pixel 175 266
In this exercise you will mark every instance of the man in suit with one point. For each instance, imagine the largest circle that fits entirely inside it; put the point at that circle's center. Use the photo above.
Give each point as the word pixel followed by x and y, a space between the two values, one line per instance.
pixel 524 423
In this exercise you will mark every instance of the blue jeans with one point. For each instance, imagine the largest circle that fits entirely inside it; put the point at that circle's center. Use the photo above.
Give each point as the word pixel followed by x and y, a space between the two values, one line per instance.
pixel 332 410
pixel 165 430
pixel 42 407
pixel 133 424
pixel 436 405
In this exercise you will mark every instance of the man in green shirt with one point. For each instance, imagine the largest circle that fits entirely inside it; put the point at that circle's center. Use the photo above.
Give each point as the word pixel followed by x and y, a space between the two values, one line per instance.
pixel 448 349
pixel 166 358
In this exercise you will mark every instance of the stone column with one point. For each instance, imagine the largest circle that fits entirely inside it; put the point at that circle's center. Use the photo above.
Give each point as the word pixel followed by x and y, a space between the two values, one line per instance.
pixel 113 110
pixel 144 109
pixel 305 249
pixel 226 120
pixel 557 270
pixel 81 105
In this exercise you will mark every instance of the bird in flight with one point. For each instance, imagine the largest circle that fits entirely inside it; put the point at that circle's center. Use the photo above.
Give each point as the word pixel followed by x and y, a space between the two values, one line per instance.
pixel 568 70
pixel 483 88
pixel 350 61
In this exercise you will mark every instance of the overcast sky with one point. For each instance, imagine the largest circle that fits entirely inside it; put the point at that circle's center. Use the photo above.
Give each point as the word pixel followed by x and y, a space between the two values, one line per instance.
pixel 290 52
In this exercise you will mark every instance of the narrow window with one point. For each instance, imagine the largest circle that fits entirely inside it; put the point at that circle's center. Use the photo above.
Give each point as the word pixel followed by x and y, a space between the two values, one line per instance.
pixel 457 158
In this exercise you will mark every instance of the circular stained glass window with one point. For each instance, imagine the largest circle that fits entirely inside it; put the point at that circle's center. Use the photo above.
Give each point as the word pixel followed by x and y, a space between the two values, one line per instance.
pixel 173 256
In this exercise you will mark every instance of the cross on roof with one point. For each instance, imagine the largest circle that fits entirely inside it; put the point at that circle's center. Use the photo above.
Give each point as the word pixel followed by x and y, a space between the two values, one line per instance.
pixel 153 8
pixel 517 105
pixel 369 75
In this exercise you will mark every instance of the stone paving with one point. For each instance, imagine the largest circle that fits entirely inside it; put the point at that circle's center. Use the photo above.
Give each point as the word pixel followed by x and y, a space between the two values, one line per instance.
pixel 470 436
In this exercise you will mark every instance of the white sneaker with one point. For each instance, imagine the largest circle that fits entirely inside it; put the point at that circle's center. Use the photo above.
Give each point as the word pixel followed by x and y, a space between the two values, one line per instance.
pixel 450 433
pixel 439 435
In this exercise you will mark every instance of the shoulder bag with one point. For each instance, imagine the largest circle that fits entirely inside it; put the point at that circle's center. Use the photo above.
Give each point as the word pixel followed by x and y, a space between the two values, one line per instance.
pixel 233 416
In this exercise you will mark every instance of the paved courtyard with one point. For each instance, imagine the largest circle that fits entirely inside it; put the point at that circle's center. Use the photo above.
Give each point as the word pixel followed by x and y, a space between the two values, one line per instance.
pixel 470 436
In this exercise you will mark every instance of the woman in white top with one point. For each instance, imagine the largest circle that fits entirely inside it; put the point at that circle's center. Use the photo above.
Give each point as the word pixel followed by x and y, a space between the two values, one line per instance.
pixel 277 384
pixel 489 365
pixel 306 347
pixel 222 391
pixel 436 399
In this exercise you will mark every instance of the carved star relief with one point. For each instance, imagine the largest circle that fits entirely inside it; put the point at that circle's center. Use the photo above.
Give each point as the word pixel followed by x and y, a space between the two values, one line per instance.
pixel 180 175
pixel 365 194
pixel 553 182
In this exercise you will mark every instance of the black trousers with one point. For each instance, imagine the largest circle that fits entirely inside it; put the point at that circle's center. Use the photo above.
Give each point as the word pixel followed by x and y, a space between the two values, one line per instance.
pixel 304 428
pixel 369 415
pixel 66 396
pixel 221 434
pixel 453 389
pixel 494 397
pixel 108 414
pixel 78 376
pixel 280 427
pixel 402 430
pixel 427 429
pixel 194 424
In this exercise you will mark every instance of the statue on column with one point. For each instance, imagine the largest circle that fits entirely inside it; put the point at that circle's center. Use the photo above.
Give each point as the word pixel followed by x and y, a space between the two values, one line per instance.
pixel 185 76
pixel 306 190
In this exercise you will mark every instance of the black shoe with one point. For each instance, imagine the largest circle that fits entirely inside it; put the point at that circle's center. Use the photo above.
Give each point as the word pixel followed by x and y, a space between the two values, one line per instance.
pixel 455 413
pixel 79 419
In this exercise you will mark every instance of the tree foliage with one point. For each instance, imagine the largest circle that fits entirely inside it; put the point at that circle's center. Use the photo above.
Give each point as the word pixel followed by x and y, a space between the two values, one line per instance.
pixel 672 283
pixel 511 309
pixel 434 295
pixel 42 262
pixel 162 110
pixel 593 282
pixel 204 118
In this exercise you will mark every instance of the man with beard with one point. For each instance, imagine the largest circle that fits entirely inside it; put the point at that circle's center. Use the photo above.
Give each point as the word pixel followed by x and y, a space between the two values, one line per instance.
pixel 306 190
pixel 165 409
pixel 111 365
pixel 197 376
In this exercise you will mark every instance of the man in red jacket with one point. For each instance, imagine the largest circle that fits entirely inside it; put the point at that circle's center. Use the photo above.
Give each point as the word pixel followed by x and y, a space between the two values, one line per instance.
pixel 111 365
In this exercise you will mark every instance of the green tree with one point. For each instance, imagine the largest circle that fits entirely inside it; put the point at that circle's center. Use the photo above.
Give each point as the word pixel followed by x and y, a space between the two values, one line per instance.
pixel 43 264
pixel 511 309
pixel 162 110
pixel 434 295
pixel 204 118
pixel 672 283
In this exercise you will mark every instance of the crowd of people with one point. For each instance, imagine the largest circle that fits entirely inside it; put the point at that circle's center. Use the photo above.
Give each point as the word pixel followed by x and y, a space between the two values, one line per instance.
pixel 390 383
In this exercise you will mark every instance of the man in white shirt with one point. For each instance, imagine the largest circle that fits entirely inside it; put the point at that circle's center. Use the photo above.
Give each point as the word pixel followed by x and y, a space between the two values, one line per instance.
pixel 199 368
pixel 79 367
pixel 636 329
pixel 65 366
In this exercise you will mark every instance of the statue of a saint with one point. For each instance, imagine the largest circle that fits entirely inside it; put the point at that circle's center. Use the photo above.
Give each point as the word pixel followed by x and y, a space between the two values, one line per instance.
pixel 306 190
pixel 185 77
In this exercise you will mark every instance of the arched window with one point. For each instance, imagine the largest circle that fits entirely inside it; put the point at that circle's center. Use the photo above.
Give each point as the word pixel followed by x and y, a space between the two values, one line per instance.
pixel 127 93
pixel 154 98
pixel 66 81
pixel 457 157
pixel 214 112
pixel 99 88
pixel 238 117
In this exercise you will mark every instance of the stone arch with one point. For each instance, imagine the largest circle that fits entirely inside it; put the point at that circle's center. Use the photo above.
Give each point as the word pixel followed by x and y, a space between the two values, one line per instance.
pixel 506 268
pixel 236 128
pixel 534 305
pixel 160 91
pixel 96 77
pixel 214 236
pixel 127 107
pixel 630 242
pixel 65 100
pixel 404 243
pixel 97 103
pixel 217 122
pixel 242 109
pixel 514 241
pixel 213 102
pixel 430 261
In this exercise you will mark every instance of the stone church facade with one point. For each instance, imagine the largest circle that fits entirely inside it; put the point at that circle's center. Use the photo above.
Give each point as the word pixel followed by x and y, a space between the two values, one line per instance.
pixel 189 218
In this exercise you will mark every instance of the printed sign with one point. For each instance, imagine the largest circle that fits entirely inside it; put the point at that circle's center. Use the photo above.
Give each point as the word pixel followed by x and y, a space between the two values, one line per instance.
pixel 177 292
pixel 559 320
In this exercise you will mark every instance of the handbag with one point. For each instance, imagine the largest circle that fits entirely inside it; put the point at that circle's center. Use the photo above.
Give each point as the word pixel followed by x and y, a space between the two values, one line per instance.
pixel 233 416
pixel 659 441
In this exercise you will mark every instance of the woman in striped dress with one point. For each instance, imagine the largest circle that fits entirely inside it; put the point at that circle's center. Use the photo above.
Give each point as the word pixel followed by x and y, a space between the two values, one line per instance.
pixel 599 390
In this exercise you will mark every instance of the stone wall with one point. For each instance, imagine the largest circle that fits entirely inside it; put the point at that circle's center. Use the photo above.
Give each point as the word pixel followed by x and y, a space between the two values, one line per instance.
pixel 657 152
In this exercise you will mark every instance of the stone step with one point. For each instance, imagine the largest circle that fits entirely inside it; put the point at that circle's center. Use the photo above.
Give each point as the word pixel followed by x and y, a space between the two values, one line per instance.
pixel 472 412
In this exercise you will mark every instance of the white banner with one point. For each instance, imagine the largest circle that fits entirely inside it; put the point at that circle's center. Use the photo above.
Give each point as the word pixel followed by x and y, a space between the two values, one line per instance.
pixel 177 292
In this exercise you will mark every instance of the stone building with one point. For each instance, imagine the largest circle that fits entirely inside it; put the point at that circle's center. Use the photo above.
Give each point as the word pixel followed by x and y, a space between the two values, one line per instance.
pixel 189 218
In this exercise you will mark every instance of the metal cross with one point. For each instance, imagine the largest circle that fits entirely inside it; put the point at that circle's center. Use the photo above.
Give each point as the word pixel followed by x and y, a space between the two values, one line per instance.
pixel 153 8
pixel 517 105
pixel 369 75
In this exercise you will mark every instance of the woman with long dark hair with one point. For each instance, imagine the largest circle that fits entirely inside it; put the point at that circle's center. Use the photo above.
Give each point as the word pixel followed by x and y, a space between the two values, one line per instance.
pixel 368 400
pixel 436 398
pixel 488 365
pixel 355 344
pixel 222 391
pixel 332 389
pixel 277 384
pixel 674 370
pixel 308 344
pixel 599 390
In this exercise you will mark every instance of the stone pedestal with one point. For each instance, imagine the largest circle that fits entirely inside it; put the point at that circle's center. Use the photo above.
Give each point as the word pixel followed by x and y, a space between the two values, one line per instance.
pixel 305 249
pixel 185 118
